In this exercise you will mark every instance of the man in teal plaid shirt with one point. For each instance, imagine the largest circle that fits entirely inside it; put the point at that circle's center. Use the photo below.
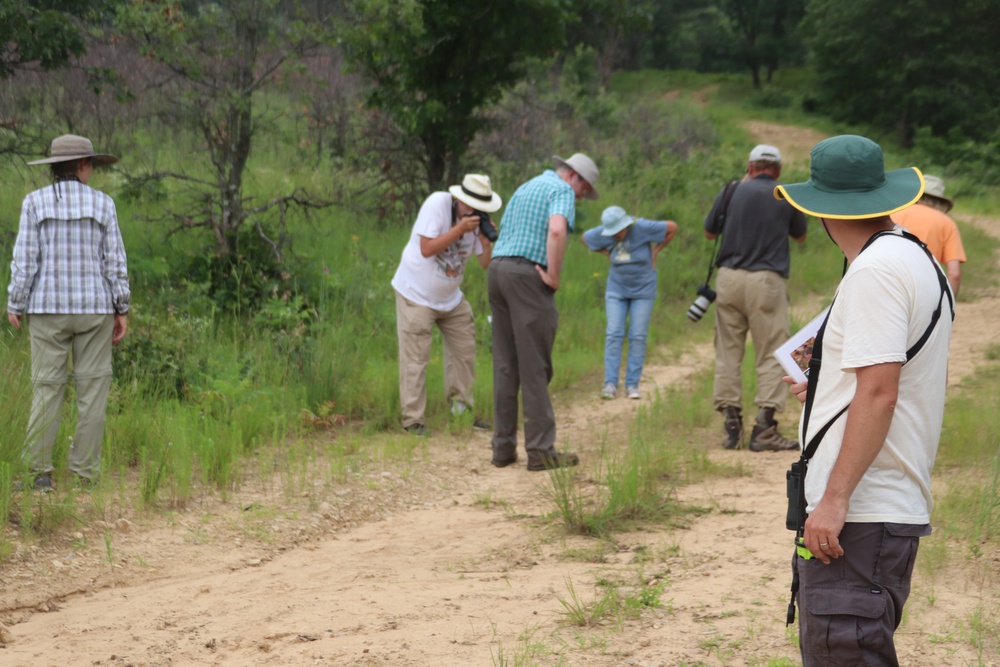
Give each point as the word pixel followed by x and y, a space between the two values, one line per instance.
pixel 523 278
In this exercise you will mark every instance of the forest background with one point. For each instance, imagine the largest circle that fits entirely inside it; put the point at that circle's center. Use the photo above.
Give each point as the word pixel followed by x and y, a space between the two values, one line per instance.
pixel 274 153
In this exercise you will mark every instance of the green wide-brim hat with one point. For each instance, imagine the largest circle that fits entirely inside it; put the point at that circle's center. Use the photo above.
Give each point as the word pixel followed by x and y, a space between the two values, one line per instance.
pixel 848 181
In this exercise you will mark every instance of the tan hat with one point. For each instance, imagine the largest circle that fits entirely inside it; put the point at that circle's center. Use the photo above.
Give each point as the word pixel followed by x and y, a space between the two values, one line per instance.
pixel 934 187
pixel 584 166
pixel 475 191
pixel 69 147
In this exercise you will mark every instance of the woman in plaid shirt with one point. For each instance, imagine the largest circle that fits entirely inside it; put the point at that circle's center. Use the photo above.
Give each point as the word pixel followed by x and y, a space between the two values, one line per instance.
pixel 69 274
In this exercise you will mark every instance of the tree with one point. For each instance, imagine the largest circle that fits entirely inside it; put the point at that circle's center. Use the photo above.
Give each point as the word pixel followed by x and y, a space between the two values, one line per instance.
pixel 216 58
pixel 767 32
pixel 436 64
pixel 44 32
pixel 904 65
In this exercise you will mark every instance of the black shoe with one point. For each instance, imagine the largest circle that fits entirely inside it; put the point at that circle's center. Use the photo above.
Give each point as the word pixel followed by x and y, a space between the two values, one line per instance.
pixel 506 462
pixel 481 424
pixel 564 460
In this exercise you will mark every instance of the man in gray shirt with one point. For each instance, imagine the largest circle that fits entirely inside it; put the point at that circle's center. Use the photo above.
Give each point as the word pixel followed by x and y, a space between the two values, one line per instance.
pixel 753 263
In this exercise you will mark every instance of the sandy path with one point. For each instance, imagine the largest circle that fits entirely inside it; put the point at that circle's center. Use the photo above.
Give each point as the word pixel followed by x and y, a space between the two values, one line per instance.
pixel 442 559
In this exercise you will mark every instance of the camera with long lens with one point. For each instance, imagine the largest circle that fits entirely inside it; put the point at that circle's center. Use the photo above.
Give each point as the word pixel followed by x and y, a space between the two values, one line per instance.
pixel 706 295
pixel 486 227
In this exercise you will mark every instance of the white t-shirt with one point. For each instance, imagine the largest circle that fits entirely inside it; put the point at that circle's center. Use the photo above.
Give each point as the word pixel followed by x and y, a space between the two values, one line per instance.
pixel 883 306
pixel 434 281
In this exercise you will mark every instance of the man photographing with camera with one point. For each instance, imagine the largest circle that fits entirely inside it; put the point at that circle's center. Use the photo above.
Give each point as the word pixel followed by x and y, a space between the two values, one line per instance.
pixel 753 263
pixel 451 227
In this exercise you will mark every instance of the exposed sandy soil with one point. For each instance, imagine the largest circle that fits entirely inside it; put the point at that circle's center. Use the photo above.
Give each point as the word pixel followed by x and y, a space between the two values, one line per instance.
pixel 440 559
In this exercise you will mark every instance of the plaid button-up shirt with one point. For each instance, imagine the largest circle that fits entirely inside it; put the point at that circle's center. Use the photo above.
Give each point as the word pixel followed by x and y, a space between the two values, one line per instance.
pixel 69 257
pixel 524 228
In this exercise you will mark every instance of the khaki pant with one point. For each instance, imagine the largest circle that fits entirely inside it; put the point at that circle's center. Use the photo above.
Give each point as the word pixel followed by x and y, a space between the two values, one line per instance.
pixel 53 339
pixel 754 302
pixel 414 326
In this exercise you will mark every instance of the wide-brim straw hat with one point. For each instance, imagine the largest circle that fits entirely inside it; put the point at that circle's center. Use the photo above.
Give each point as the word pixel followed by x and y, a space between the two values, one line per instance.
pixel 476 191
pixel 614 219
pixel 848 181
pixel 69 147
pixel 584 166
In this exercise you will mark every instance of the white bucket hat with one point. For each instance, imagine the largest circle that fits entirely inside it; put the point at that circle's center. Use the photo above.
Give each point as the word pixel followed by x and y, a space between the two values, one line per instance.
pixel 475 191
pixel 69 147
pixel 614 219
pixel 584 166
pixel 934 187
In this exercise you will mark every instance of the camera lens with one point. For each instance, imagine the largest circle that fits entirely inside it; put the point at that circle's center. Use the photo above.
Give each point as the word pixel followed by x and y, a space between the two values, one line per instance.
pixel 486 227
pixel 698 308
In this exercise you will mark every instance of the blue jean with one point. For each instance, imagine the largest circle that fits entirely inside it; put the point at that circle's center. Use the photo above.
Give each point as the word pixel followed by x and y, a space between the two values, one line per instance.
pixel 638 313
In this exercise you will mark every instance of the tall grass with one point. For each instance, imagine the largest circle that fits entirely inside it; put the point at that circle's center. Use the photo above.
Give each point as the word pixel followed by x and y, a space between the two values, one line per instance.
pixel 199 391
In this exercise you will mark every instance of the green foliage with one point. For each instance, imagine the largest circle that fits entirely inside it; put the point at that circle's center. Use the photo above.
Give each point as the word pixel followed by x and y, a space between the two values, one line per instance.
pixel 437 65
pixel 900 66
pixel 45 32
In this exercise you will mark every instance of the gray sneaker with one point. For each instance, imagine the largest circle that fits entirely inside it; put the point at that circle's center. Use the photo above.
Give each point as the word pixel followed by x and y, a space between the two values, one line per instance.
pixel 633 393
pixel 609 392
pixel 769 440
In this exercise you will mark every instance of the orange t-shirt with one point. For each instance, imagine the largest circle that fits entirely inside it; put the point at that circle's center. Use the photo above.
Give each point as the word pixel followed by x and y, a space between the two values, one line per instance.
pixel 935 229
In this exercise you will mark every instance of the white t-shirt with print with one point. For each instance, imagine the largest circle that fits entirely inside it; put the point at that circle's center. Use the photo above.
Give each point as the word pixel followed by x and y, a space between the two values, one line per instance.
pixel 883 306
pixel 434 281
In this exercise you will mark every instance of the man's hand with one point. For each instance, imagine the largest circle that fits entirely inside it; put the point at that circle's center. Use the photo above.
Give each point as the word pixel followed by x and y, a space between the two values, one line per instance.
pixel 823 530
pixel 121 326
pixel 15 320
pixel 553 283
pixel 796 389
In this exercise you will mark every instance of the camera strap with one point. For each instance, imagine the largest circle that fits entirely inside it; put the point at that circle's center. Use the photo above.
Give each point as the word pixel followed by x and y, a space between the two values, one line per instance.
pixel 720 220
pixel 815 363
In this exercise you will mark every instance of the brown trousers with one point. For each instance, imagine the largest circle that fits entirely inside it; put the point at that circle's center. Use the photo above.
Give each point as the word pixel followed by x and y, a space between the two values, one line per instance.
pixel 524 330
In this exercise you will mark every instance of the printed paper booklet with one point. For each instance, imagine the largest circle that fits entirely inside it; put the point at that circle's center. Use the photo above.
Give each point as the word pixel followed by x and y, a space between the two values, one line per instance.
pixel 795 354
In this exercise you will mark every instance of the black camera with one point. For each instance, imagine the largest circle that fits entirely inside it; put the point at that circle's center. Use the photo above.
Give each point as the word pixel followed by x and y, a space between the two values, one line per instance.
pixel 486 227
pixel 706 295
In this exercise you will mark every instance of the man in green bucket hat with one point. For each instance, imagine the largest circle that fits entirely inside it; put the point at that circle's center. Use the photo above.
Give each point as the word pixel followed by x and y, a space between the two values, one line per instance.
pixel 874 403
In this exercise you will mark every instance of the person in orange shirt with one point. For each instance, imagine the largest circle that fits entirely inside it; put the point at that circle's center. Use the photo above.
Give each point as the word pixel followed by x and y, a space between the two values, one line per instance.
pixel 928 220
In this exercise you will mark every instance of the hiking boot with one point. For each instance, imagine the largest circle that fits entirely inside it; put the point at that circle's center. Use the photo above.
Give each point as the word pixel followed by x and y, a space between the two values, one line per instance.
pixel 609 391
pixel 481 424
pixel 417 429
pixel 767 439
pixel 84 483
pixel 733 427
pixel 43 483
pixel 633 393
pixel 564 460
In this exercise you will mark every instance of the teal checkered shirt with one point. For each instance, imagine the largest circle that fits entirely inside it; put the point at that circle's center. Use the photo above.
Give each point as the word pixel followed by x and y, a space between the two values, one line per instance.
pixel 524 228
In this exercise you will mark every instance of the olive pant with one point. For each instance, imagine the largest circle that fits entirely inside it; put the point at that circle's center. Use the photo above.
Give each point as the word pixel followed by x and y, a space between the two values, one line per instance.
pixel 849 609
pixel 54 338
